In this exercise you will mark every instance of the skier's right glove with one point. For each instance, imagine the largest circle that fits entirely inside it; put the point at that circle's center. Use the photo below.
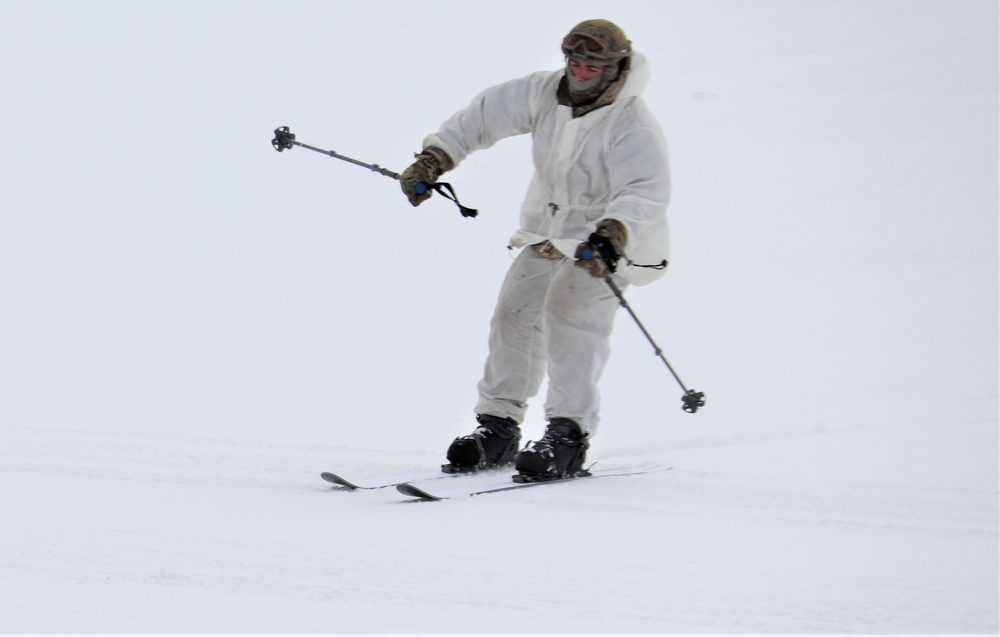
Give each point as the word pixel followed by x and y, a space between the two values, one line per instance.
pixel 613 235
pixel 431 164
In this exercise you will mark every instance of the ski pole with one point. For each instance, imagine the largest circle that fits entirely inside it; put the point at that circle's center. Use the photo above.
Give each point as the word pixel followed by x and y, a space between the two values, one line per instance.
pixel 692 400
pixel 285 139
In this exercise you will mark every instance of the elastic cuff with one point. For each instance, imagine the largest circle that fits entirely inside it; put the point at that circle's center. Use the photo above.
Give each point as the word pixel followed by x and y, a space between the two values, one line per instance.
pixel 444 161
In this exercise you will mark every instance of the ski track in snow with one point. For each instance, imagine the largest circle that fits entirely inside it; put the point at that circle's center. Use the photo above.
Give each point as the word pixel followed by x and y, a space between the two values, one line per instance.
pixel 137 517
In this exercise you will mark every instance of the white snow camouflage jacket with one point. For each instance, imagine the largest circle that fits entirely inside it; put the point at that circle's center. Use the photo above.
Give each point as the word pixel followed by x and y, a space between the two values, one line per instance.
pixel 610 163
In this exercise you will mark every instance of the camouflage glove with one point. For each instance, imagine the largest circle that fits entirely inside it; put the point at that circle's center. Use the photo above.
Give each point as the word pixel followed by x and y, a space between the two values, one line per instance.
pixel 430 164
pixel 614 232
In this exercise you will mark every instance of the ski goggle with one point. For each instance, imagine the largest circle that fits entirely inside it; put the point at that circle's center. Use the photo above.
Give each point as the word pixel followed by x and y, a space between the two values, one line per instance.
pixel 582 47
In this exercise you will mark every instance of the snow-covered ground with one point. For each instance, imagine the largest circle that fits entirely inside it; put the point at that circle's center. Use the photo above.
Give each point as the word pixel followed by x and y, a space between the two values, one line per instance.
pixel 193 326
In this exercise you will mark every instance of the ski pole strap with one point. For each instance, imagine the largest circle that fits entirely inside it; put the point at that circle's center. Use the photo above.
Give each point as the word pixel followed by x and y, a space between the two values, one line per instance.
pixel 440 188
pixel 607 252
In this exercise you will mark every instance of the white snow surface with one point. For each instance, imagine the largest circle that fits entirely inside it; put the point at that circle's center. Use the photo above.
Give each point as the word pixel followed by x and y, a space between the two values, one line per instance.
pixel 193 326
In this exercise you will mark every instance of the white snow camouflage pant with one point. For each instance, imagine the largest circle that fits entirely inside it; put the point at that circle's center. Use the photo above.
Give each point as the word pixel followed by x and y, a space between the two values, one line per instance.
pixel 551 316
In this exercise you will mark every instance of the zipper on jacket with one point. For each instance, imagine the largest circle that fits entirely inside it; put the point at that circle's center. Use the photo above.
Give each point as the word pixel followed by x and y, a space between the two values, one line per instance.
pixel 554 208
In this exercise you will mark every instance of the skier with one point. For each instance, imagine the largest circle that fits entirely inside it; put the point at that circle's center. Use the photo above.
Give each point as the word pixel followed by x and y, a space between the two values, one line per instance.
pixel 601 173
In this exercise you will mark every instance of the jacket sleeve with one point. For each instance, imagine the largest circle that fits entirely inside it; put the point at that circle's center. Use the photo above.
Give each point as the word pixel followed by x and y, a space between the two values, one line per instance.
pixel 640 184
pixel 640 190
pixel 501 111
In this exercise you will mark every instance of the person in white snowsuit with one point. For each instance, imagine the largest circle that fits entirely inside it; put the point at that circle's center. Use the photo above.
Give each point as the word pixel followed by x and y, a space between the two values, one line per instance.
pixel 601 172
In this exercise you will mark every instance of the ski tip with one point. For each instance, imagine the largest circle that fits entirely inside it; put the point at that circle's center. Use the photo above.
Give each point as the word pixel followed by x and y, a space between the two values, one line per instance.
pixel 416 492
pixel 333 478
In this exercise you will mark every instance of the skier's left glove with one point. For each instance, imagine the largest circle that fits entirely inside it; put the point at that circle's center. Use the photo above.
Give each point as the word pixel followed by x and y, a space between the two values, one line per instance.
pixel 431 164
pixel 610 230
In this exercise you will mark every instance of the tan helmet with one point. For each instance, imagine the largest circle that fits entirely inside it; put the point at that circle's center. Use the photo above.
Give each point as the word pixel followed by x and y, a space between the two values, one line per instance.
pixel 597 42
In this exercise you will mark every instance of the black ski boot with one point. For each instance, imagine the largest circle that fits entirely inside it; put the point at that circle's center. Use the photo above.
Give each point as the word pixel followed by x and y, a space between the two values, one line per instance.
pixel 559 454
pixel 492 445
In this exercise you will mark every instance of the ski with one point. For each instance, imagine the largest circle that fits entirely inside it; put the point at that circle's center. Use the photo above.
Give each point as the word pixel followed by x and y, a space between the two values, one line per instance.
pixel 414 491
pixel 381 482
